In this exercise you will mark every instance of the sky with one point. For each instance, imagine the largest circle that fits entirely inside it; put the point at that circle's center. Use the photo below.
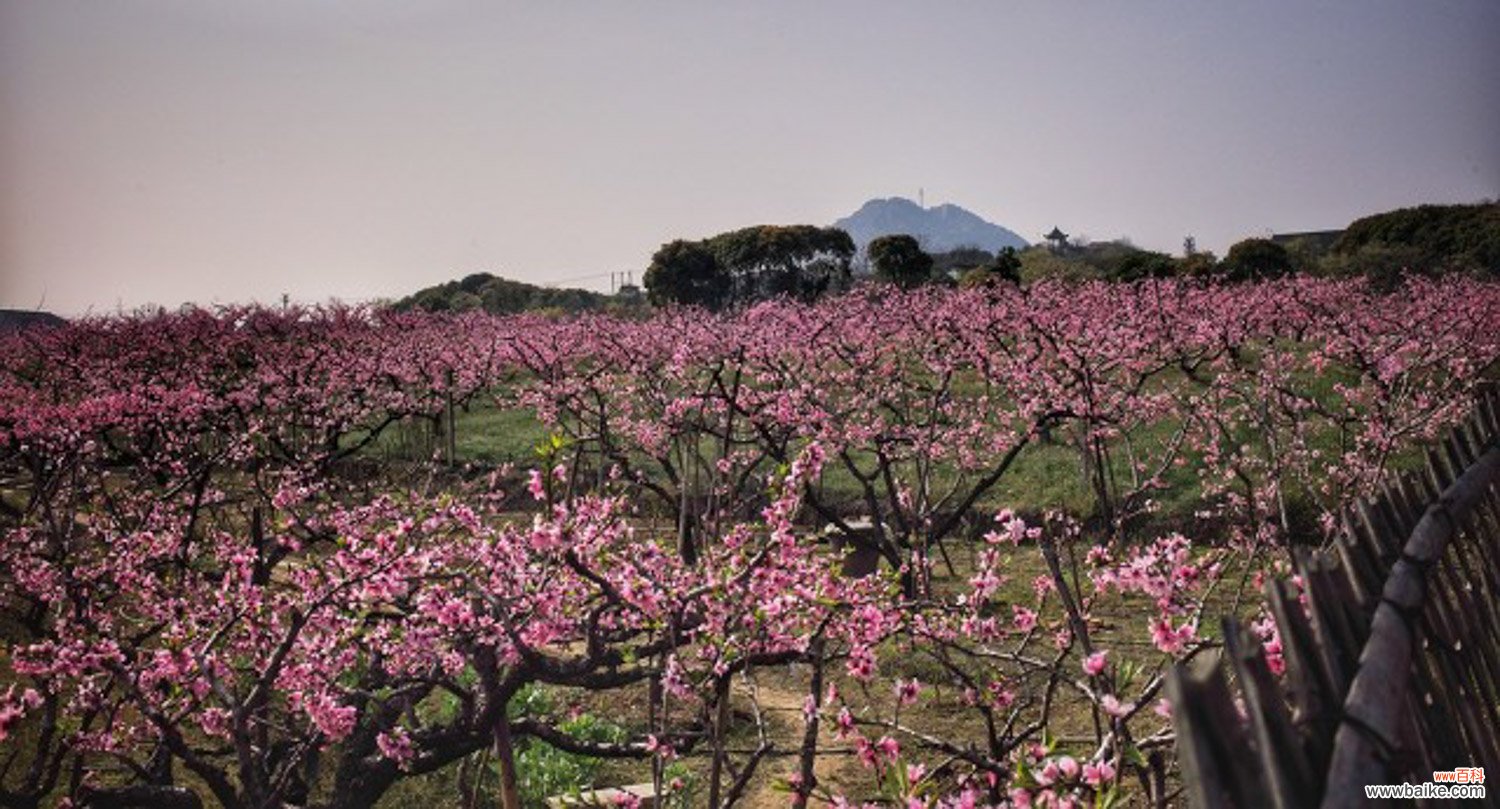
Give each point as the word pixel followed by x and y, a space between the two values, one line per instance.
pixel 206 151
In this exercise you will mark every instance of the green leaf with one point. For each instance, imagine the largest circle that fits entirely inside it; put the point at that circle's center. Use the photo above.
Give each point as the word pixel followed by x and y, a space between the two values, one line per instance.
pixel 1023 777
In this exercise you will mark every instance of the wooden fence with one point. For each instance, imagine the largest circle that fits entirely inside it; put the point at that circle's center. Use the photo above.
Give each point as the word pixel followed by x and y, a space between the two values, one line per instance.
pixel 1391 646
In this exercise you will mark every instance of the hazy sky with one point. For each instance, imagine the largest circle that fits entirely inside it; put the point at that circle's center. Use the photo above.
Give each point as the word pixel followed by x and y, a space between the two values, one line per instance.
pixel 165 151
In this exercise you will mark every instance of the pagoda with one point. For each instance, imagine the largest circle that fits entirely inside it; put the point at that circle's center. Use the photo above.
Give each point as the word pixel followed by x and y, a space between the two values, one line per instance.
pixel 1057 239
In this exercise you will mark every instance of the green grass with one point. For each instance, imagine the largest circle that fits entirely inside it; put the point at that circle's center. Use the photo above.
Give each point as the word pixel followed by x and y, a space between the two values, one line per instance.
pixel 484 433
pixel 488 434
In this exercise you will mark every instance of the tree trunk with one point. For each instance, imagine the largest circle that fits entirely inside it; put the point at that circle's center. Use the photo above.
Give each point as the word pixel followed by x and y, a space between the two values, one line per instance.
pixel 807 779
pixel 505 758
pixel 720 730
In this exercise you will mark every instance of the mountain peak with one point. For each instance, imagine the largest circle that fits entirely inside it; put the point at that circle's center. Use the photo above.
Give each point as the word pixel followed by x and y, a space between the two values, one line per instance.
pixel 940 228
pixel 881 203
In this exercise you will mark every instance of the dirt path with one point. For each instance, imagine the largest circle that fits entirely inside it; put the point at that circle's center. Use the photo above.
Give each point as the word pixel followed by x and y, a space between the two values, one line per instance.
pixel 780 695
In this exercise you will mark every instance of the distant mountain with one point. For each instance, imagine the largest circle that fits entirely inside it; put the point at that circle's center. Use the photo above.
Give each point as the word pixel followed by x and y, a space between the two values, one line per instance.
pixel 939 229
pixel 18 319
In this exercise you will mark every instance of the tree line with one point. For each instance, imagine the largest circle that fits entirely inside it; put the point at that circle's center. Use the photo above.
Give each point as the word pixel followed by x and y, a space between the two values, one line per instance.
pixel 1425 240
pixel 803 262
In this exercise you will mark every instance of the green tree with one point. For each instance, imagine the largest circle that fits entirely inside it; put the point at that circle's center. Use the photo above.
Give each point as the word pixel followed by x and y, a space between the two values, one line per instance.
pixel 1103 258
pixel 766 261
pixel 961 259
pixel 1385 266
pixel 463 301
pixel 1198 264
pixel 686 272
pixel 1007 265
pixel 1005 268
pixel 503 296
pixel 474 282
pixel 1255 259
pixel 751 264
pixel 1043 263
pixel 1138 264
pixel 900 260
pixel 980 277
pixel 432 299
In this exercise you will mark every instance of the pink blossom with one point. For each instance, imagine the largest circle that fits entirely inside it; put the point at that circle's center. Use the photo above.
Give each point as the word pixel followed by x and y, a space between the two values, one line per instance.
pixel 861 664
pixel 845 722
pixel 1001 696
pixel 1169 639
pixel 335 720
pixel 1023 618
pixel 215 722
pixel 1094 664
pixel 396 745
pixel 659 748
pixel 10 713
pixel 1114 707
pixel 1096 775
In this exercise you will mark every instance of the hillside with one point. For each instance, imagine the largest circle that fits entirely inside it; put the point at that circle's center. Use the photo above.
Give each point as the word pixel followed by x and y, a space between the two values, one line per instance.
pixel 504 296
pixel 1457 237
pixel 940 228
pixel 16 319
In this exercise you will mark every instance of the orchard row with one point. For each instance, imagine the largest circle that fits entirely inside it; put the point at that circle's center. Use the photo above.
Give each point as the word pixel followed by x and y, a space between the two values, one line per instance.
pixel 201 574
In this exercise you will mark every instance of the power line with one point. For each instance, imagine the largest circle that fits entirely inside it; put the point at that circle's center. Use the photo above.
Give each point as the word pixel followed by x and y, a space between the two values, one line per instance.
pixel 574 279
